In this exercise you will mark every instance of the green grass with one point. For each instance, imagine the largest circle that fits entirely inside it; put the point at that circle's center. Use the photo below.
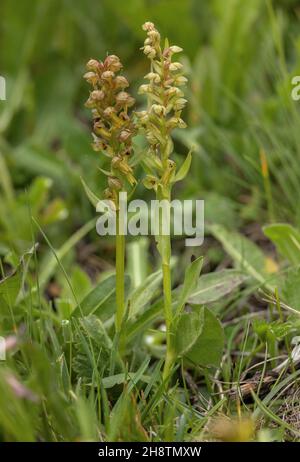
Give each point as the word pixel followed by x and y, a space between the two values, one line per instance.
pixel 63 378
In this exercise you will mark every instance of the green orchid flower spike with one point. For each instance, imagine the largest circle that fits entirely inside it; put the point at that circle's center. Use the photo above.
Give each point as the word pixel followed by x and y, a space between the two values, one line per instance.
pixel 165 102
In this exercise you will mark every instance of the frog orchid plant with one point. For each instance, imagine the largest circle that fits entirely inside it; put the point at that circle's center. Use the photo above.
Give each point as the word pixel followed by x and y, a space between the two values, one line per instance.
pixel 165 102
pixel 114 129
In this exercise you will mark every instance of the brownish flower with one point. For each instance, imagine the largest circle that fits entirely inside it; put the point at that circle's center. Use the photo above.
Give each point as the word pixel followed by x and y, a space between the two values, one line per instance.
pixel 113 127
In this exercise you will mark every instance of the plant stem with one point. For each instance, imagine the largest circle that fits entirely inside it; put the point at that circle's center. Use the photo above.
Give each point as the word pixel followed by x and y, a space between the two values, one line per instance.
pixel 164 242
pixel 168 318
pixel 120 269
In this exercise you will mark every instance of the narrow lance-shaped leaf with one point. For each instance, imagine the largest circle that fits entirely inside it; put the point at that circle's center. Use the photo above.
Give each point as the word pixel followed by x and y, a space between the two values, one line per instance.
pixel 101 300
pixel 184 168
pixel 91 196
pixel 190 282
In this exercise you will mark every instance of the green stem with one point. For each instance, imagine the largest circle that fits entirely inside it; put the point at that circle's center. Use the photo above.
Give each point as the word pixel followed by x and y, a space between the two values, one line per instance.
pixel 168 318
pixel 164 242
pixel 120 269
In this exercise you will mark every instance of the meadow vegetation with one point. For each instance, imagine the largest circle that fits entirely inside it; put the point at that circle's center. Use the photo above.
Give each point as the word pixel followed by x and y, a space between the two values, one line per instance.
pixel 145 339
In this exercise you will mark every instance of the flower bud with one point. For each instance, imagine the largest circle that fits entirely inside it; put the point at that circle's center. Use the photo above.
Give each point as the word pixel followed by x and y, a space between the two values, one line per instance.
pixel 171 164
pixel 149 51
pixel 109 111
pixel 99 145
pixel 130 101
pixel 121 82
pixel 154 35
pixel 176 122
pixel 175 66
pixel 90 103
pixel 114 183
pixel 124 136
pixel 150 137
pixel 100 130
pixel 113 63
pixel 125 99
pixel 143 116
pixel 175 49
pixel 180 80
pixel 179 104
pixel 115 162
pixel 181 123
pixel 121 164
pixel 95 113
pixel 173 91
pixel 150 182
pixel 144 89
pixel 148 26
pixel 127 151
pixel 153 77
pixel 97 95
pixel 92 65
pixel 91 77
pixel 108 194
pixel 107 75
pixel 158 109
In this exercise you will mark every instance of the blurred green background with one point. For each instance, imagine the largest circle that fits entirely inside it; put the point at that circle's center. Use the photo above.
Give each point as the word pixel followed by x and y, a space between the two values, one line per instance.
pixel 239 57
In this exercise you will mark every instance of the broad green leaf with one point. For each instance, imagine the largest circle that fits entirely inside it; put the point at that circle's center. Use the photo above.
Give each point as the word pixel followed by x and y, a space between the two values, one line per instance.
pixel 213 286
pixel 208 348
pixel 187 331
pixel 199 338
pixel 101 300
pixel 287 240
pixel 210 288
pixel 191 278
pixel 184 168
